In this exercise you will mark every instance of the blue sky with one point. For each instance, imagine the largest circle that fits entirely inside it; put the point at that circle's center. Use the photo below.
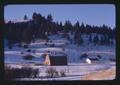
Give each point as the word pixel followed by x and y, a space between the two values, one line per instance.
pixel 92 14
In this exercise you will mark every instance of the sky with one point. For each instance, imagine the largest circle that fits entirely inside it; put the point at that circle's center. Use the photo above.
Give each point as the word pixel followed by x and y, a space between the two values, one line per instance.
pixel 92 14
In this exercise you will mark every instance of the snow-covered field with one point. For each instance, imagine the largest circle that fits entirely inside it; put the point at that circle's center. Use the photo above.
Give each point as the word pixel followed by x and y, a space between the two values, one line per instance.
pixel 74 71
pixel 76 67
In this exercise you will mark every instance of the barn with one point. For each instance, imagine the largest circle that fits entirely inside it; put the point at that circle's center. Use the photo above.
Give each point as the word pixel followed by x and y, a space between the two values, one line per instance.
pixel 55 59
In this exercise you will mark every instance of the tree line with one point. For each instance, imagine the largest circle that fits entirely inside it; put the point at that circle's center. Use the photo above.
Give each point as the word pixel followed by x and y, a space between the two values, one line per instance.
pixel 40 27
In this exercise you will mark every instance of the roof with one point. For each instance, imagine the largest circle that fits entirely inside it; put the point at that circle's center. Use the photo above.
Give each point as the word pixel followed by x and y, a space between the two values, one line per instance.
pixel 56 53
pixel 59 60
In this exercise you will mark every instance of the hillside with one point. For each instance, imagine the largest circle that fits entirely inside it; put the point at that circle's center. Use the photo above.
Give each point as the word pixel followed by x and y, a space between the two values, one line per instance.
pixel 40 35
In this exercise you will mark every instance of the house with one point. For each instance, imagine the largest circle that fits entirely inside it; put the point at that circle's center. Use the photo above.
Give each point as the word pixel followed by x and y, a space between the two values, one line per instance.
pixel 90 58
pixel 56 59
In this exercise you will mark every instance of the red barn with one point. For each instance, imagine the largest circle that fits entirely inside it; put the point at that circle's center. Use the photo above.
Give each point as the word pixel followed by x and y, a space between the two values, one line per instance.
pixel 56 59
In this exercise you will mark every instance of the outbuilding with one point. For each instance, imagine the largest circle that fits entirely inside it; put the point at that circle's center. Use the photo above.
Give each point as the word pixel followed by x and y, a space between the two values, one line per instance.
pixel 56 59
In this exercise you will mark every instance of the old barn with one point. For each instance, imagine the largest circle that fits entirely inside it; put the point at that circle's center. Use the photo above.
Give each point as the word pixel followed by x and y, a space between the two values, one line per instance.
pixel 55 58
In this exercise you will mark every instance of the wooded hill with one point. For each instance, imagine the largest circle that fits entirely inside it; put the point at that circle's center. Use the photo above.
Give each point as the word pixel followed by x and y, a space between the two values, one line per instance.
pixel 40 27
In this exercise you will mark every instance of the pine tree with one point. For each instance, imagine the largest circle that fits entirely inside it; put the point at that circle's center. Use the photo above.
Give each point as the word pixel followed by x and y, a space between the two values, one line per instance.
pixel 102 40
pixel 49 18
pixel 80 40
pixel 90 39
pixel 82 28
pixel 27 34
pixel 77 27
pixel 25 17
pixel 95 40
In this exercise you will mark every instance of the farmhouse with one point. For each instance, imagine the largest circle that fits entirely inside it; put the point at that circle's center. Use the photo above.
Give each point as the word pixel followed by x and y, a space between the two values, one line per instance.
pixel 91 58
pixel 55 59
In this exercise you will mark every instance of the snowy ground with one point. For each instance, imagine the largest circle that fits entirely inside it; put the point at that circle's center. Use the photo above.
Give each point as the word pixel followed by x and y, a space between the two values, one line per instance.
pixel 73 71
pixel 72 51
pixel 76 68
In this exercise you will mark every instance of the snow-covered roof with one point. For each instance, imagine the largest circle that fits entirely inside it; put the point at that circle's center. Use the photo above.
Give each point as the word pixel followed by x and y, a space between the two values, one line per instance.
pixel 56 53
pixel 92 56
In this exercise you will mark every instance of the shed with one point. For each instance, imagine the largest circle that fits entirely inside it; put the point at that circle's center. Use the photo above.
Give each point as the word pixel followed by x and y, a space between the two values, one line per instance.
pixel 56 59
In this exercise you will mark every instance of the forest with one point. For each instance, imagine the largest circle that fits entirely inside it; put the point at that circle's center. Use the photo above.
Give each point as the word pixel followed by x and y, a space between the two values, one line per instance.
pixel 40 27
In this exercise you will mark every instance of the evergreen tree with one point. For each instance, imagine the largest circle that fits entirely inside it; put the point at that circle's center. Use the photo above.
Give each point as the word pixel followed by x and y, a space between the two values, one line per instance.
pixel 10 33
pixel 82 28
pixel 27 34
pixel 67 26
pixel 39 25
pixel 95 40
pixel 77 27
pixel 102 40
pixel 80 40
pixel 90 39
pixel 49 18
pixel 25 17
pixel 34 16
pixel 87 29
pixel 60 26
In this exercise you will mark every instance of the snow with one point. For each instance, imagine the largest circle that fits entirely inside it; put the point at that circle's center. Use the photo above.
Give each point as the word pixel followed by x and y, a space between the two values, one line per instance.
pixel 73 71
pixel 76 68
pixel 15 21
pixel 88 61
